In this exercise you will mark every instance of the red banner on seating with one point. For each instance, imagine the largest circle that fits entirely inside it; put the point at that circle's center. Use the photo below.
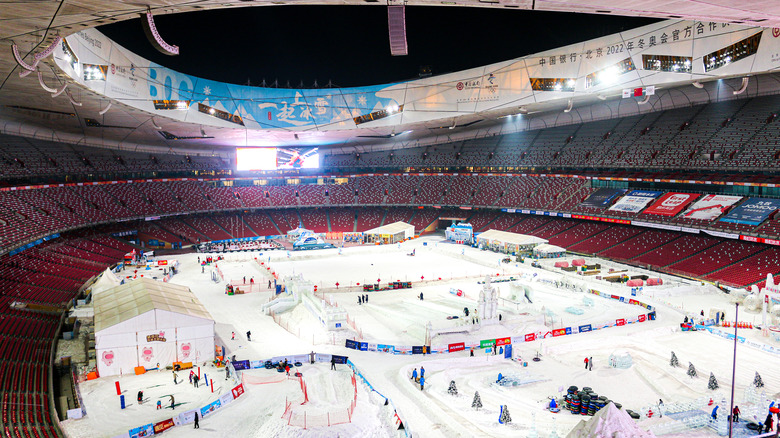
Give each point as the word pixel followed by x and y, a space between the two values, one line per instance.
pixel 621 321
pixel 530 337
pixel 759 240
pixel 456 347
pixel 671 203
pixel 238 390
pixel 503 341
pixel 559 332
pixel 641 318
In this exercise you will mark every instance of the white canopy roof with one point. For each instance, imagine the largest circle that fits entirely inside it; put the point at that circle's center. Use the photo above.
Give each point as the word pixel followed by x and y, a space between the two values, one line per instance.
pixel 546 248
pixel 106 281
pixel 394 228
pixel 140 296
pixel 511 238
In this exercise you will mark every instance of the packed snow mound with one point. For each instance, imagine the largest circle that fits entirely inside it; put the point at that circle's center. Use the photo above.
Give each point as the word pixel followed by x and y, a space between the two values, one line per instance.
pixel 609 422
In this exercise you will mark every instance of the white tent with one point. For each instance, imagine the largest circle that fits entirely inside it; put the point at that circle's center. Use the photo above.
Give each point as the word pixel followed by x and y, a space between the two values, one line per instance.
pixel 508 242
pixel 390 233
pixel 106 281
pixel 146 323
pixel 547 250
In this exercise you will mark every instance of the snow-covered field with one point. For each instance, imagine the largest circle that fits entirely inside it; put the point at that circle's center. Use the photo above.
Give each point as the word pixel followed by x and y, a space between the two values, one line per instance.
pixel 399 317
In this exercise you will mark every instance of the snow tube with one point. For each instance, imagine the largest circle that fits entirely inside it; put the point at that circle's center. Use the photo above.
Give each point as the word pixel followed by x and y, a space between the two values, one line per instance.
pixel 632 414
pixel 298 364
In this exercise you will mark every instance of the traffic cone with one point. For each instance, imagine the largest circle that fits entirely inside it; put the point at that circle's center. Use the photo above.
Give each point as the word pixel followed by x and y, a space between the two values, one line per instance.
pixel 710 403
pixel 650 413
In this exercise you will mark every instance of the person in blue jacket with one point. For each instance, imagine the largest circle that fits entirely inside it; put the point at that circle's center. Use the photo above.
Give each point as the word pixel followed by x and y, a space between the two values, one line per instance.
pixel 422 383
pixel 422 371
pixel 715 413
pixel 414 374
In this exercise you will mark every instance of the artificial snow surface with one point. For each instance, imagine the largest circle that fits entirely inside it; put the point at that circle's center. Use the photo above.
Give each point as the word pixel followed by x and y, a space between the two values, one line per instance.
pixel 399 317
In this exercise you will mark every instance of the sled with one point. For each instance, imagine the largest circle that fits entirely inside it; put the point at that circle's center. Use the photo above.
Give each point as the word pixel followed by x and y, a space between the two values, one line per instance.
pixel 554 410
pixel 453 317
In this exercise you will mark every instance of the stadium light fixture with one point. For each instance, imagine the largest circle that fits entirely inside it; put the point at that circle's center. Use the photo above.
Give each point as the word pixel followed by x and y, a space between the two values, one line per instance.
pixel 697 84
pixel 743 87
pixel 155 125
pixel 568 108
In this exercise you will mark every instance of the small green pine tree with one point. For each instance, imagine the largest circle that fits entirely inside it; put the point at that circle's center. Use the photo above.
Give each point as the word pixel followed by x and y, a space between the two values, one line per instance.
pixel 452 390
pixel 757 382
pixel 691 370
pixel 674 362
pixel 505 417
pixel 477 403
pixel 713 384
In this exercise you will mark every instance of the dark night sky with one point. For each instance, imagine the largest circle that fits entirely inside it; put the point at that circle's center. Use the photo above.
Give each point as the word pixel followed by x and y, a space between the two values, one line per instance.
pixel 349 44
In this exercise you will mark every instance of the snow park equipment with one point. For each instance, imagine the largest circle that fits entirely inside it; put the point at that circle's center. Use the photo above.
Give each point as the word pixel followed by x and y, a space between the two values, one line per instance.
pixel 309 240
pixel 461 233
pixel 620 359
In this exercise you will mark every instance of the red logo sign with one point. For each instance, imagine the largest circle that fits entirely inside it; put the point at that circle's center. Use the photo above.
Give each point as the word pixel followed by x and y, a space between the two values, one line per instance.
pixel 503 341
pixel 530 337
pixel 621 321
pixel 456 347
pixel 163 426
pixel 642 318
pixel 238 390
pixel 162 262
pixel 559 332
pixel 459 86
pixel 776 32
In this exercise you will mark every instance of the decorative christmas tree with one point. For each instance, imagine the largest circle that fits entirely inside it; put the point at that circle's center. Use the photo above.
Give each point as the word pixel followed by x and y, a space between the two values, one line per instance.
pixel 673 362
pixel 713 382
pixel 452 390
pixel 505 417
pixel 477 403
pixel 757 382
pixel 691 370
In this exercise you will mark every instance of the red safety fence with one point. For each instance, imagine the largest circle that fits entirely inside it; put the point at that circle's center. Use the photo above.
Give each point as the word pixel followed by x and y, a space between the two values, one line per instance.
pixel 302 418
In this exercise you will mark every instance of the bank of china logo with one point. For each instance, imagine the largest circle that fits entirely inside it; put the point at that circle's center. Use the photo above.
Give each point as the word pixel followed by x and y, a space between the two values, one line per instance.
pixel 459 87
pixel 776 32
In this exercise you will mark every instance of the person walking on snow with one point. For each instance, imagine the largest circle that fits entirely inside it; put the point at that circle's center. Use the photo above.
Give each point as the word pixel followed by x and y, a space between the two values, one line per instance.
pixel 269 284
pixel 422 371
pixel 174 378
pixel 360 299
pixel 197 426
pixel 159 404
pixel 245 279
pixel 422 383
pixel 191 374
pixel 414 375
pixel 768 423
pixel 332 363
pixel 590 363
pixel 586 363
pixel 232 336
pixel 736 414
pixel 195 380
pixel 249 335
pixel 715 413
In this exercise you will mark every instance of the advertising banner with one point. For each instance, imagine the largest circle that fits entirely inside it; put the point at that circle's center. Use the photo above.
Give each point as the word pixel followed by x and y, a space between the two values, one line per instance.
pixel 209 408
pixel 487 343
pixel 753 211
pixel 241 365
pixel 635 201
pixel 584 328
pixel 710 207
pixel 238 390
pixel 418 349
pixel 163 425
pixel 351 344
pixel 141 431
pixel 340 359
pixel 671 203
pixel 602 197
pixel 621 321
pixel 503 341
pixel 530 337
pixel 456 347
pixel 402 349
pixel 559 332
pixel 384 348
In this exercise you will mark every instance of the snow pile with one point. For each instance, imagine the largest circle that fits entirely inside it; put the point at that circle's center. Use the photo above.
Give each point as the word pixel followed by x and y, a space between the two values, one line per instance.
pixel 609 422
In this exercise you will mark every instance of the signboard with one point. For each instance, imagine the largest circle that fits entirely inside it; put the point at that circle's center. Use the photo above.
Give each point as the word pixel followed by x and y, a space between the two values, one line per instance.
pixel 456 347
pixel 710 207
pixel 141 431
pixel 584 328
pixel 559 332
pixel 635 201
pixel 602 197
pixel 163 426
pixel 487 343
pixel 503 341
pixel 209 408
pixel 238 391
pixel 621 321
pixel 753 211
pixel 530 337
pixel 671 203
pixel 351 344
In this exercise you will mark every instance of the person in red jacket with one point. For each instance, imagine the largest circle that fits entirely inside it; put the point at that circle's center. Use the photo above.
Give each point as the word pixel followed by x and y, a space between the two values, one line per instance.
pixel 736 414
pixel 586 363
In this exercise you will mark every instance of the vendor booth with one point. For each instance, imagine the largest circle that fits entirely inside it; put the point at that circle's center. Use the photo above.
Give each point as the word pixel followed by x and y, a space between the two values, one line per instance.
pixel 546 251
pixel 391 233
pixel 147 323
pixel 508 243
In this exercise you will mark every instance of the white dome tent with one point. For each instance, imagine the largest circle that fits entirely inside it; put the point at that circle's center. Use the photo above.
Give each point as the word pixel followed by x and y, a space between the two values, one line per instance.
pixel 146 323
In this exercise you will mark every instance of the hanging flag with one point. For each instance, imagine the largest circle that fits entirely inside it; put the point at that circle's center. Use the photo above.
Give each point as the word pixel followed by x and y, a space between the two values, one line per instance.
pixel 639 92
